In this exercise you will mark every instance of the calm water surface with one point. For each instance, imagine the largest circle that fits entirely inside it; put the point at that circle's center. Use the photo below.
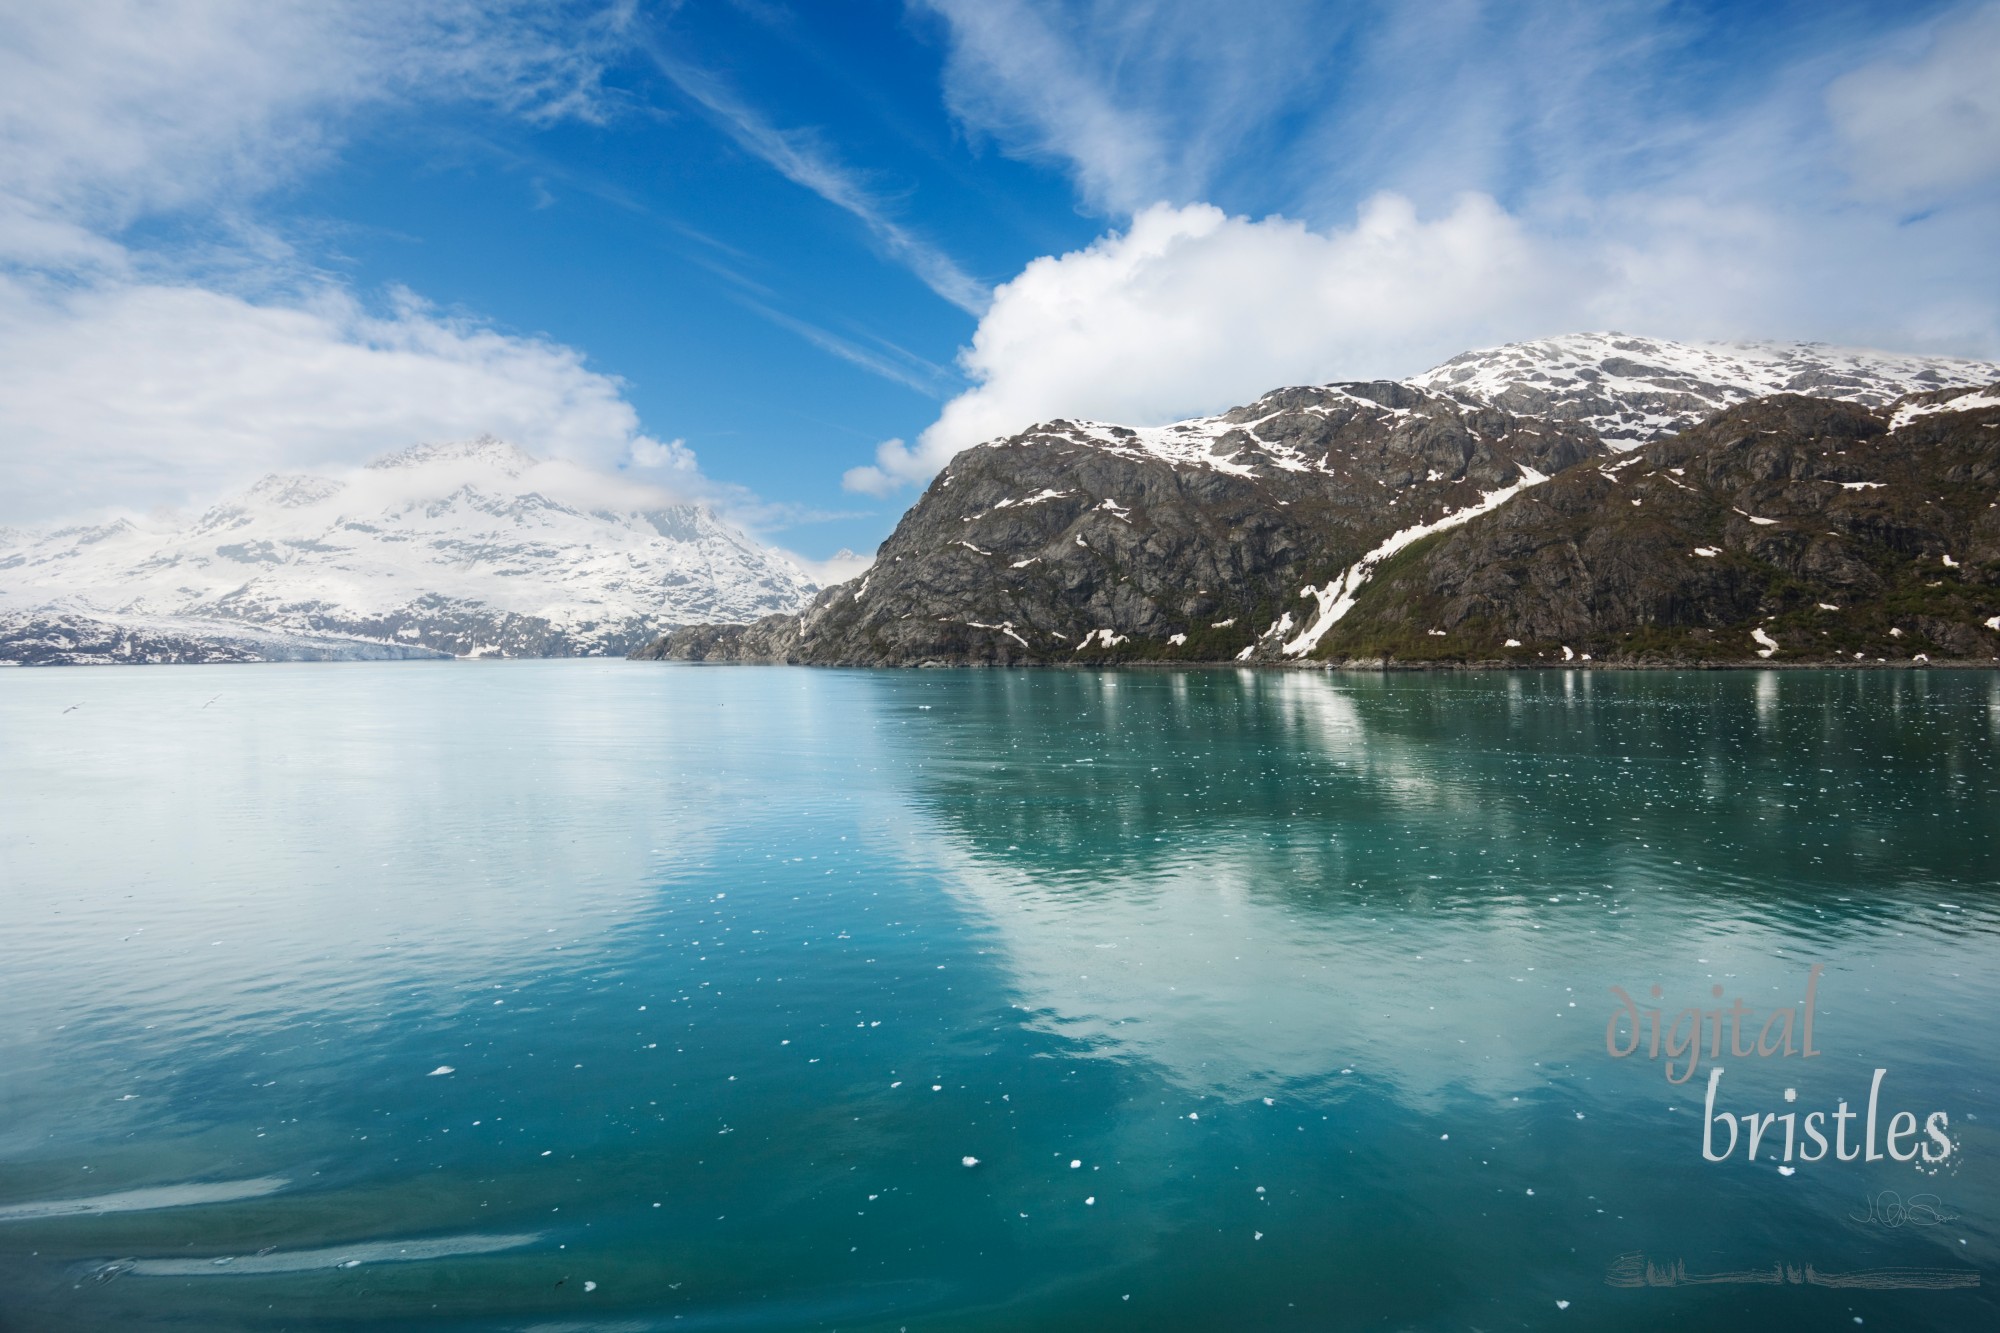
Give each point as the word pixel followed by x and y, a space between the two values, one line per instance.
pixel 617 996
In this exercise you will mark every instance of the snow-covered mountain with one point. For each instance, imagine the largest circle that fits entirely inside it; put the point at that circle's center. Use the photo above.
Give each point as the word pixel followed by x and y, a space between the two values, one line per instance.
pixel 1632 390
pixel 472 548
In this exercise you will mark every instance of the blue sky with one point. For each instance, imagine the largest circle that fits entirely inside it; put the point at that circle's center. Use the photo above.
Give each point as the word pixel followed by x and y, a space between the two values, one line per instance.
pixel 788 256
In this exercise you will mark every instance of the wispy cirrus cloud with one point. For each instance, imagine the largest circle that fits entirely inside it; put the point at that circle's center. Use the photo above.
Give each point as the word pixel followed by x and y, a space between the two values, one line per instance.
pixel 802 157
pixel 111 110
pixel 895 364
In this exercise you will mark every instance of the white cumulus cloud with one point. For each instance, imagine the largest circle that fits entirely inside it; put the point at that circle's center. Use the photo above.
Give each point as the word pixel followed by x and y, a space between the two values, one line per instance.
pixel 1188 309
pixel 149 393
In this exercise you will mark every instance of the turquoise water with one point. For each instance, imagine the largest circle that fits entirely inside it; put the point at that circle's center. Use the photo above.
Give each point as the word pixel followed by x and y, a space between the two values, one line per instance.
pixel 1262 1001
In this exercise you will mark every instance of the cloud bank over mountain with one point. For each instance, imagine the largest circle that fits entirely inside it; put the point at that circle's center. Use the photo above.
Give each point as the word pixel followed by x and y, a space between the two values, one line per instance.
pixel 1526 181
pixel 149 373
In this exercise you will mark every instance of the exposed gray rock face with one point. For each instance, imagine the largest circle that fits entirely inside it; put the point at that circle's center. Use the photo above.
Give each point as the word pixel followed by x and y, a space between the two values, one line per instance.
pixel 1785 530
pixel 1632 390
pixel 1082 542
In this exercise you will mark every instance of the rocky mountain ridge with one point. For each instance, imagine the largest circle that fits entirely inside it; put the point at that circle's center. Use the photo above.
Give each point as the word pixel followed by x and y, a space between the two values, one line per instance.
pixel 1307 527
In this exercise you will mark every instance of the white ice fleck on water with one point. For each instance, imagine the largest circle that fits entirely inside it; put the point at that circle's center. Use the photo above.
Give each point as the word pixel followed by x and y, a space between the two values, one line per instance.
pixel 441 1069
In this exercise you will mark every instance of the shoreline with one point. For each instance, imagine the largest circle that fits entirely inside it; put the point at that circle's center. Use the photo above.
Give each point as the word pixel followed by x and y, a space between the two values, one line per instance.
pixel 1357 665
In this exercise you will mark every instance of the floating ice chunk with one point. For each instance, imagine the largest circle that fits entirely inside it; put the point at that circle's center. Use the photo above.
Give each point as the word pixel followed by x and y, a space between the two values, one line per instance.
pixel 590 1286
pixel 143 1200
pixel 968 1161
pixel 441 1069
pixel 1075 1163
pixel 349 1256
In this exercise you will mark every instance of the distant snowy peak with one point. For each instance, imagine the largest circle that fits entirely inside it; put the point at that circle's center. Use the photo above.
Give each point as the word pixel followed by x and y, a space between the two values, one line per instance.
pixel 1631 390
pixel 483 450
pixel 472 548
